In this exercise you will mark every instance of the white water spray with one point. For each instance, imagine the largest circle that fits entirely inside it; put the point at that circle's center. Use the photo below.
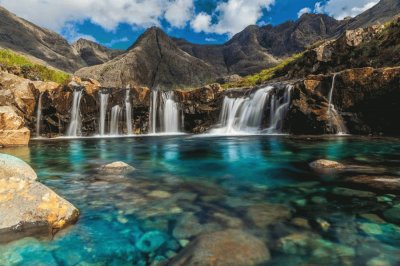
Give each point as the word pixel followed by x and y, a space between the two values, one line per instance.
pixel 103 112
pixel 333 114
pixel 164 113
pixel 115 117
pixel 244 115
pixel 39 115
pixel 128 110
pixel 74 128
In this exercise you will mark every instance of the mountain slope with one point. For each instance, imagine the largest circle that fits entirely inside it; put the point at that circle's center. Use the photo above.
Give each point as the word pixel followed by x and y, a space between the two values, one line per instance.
pixel 382 12
pixel 93 53
pixel 20 35
pixel 153 61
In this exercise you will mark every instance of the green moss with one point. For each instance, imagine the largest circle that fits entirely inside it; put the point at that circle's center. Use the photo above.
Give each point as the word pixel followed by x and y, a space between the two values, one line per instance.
pixel 263 76
pixel 9 59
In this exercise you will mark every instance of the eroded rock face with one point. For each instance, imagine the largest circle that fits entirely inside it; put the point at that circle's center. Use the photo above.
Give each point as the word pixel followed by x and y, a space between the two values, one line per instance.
pixel 12 130
pixel 28 207
pixel 224 248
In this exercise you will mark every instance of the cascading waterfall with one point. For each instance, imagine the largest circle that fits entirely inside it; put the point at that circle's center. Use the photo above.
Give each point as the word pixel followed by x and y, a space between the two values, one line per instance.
pixel 245 115
pixel 333 114
pixel 164 113
pixel 115 118
pixel 103 112
pixel 39 115
pixel 74 128
pixel 128 110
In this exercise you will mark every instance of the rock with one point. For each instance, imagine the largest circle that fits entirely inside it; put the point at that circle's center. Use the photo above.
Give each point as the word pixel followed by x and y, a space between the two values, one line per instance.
pixel 393 214
pixel 117 168
pixel 372 218
pixel 228 221
pixel 378 261
pixel 9 120
pixel 31 209
pixel 379 183
pixel 324 225
pixel 11 166
pixel 346 192
pixel 370 228
pixel 266 214
pixel 301 222
pixel 12 130
pixel 151 241
pixel 189 226
pixel 326 164
pixel 159 194
pixel 17 137
pixel 224 248
pixel 295 244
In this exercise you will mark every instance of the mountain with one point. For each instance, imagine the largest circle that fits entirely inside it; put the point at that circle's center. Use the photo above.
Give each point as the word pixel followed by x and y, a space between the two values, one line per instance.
pixel 154 60
pixel 382 12
pixel 24 37
pixel 93 53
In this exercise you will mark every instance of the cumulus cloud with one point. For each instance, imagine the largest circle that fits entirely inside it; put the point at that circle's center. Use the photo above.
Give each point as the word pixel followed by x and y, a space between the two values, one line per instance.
pixel 106 13
pixel 71 33
pixel 179 12
pixel 231 16
pixel 303 11
pixel 340 9
pixel 210 40
pixel 116 41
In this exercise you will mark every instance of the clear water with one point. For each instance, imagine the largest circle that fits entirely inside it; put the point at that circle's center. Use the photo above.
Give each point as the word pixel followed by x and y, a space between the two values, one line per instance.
pixel 204 176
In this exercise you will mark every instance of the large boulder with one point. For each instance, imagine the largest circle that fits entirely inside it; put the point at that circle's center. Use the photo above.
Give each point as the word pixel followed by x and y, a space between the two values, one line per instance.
pixel 224 248
pixel 11 166
pixel 12 130
pixel 28 207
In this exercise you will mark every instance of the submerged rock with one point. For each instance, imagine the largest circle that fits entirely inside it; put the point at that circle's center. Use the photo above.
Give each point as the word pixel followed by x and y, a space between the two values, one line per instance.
pixel 379 183
pixel 224 248
pixel 393 214
pixel 151 241
pixel 346 192
pixel 12 130
pixel 263 215
pixel 29 208
pixel 326 164
pixel 117 168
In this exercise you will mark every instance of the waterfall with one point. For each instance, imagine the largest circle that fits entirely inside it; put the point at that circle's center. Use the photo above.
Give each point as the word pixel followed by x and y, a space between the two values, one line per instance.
pixel 103 112
pixel 115 117
pixel 74 128
pixel 128 110
pixel 39 115
pixel 333 114
pixel 245 115
pixel 165 114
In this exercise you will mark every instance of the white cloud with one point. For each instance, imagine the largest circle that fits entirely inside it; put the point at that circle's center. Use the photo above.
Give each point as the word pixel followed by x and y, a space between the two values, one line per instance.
pixel 115 41
pixel 340 9
pixel 70 33
pixel 210 40
pixel 201 22
pixel 231 16
pixel 179 12
pixel 55 14
pixel 303 11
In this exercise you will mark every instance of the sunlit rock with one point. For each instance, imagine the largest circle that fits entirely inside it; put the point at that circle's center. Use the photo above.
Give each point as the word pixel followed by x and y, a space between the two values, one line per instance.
pixel 118 168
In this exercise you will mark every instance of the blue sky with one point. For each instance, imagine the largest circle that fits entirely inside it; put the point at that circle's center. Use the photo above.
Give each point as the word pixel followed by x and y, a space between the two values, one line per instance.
pixel 118 23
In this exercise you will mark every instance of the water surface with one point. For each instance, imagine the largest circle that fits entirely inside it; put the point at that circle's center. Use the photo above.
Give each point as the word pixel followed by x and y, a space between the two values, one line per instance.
pixel 186 179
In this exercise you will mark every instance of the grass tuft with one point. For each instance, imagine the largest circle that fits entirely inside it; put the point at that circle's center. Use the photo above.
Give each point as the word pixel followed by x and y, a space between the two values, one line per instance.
pixel 30 70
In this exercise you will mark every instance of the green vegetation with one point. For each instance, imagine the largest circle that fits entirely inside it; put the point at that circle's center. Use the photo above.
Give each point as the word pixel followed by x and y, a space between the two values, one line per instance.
pixel 28 69
pixel 263 76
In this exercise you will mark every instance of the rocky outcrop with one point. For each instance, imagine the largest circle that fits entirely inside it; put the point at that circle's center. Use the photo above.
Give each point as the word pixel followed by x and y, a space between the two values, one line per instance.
pixel 229 247
pixel 93 53
pixel 366 98
pixel 12 130
pixel 29 208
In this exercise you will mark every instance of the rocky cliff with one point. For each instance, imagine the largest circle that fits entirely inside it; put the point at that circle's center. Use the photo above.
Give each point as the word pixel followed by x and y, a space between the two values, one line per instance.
pixel 93 53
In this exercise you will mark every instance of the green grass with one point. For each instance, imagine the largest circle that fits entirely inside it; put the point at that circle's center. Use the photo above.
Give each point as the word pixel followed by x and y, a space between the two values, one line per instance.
pixel 30 70
pixel 263 76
